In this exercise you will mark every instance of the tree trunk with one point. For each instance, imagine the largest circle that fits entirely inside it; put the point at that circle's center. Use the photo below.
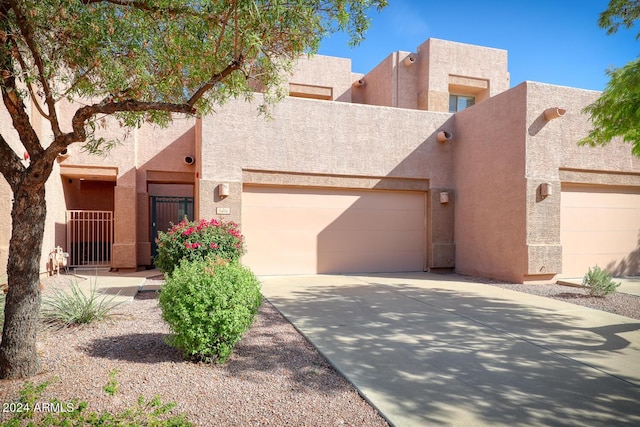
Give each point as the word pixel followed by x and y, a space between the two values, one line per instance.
pixel 18 355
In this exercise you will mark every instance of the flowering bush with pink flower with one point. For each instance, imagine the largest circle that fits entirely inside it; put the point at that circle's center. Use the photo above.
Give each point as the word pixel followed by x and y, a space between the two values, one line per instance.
pixel 195 241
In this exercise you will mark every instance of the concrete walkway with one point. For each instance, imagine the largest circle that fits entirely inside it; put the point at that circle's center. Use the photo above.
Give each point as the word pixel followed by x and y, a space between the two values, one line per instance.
pixel 437 350
pixel 123 286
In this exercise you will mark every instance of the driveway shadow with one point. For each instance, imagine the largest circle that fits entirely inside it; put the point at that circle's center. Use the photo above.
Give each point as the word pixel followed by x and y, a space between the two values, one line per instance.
pixel 440 356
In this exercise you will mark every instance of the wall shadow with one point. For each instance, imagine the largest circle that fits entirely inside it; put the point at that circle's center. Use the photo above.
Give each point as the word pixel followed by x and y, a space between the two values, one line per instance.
pixel 629 266
pixel 394 226
pixel 435 352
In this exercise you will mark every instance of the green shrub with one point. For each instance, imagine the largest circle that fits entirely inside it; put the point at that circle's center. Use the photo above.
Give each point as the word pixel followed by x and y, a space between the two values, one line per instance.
pixel 195 241
pixel 208 306
pixel 72 306
pixel 31 410
pixel 599 282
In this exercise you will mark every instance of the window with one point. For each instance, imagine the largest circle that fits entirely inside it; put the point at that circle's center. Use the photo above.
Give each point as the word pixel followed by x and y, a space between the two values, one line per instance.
pixel 460 102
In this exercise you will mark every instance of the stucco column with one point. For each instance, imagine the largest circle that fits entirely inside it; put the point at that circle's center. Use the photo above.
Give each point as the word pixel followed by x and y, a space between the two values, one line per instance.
pixel 213 205
pixel 143 244
pixel 124 247
pixel 441 248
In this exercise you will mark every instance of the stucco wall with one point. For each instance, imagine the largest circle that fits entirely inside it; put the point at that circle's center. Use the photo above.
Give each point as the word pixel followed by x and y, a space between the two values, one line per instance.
pixel 379 85
pixel 326 71
pixel 55 214
pixel 139 155
pixel 316 140
pixel 489 169
pixel 504 151
pixel 554 157
pixel 438 59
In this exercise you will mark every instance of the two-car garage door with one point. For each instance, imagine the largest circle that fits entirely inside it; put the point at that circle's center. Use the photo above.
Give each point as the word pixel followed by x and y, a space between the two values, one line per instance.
pixel 300 230
pixel 600 225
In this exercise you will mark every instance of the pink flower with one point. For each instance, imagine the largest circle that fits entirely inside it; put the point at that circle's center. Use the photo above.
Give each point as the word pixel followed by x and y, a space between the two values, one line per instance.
pixel 213 245
pixel 187 245
pixel 195 245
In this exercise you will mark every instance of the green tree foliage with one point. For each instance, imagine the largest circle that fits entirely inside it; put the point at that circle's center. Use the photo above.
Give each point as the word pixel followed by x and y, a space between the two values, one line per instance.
pixel 620 13
pixel 140 61
pixel 617 112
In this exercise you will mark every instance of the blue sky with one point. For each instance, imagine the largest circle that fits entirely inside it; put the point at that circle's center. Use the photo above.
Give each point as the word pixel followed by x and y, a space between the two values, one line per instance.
pixel 557 42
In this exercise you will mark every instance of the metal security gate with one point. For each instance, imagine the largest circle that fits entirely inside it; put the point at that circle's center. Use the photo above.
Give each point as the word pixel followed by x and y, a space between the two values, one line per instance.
pixel 89 238
pixel 166 210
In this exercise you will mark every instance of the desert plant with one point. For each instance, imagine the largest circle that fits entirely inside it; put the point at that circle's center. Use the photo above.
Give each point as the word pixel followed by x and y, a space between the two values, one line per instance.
pixel 209 305
pixel 72 306
pixel 30 410
pixel 111 387
pixel 599 282
pixel 196 241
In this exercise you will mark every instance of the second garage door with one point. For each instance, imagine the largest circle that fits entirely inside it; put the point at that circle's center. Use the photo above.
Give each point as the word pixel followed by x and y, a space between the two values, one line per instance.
pixel 599 225
pixel 297 230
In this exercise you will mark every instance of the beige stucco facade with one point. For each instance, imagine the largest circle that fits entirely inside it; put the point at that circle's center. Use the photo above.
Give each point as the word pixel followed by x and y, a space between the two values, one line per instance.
pixel 350 162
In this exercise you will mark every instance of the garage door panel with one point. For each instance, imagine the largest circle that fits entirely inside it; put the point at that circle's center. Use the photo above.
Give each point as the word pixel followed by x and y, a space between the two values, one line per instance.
pixel 389 219
pixel 619 219
pixel 287 218
pixel 583 197
pixel 337 262
pixel 599 225
pixel 307 231
pixel 368 241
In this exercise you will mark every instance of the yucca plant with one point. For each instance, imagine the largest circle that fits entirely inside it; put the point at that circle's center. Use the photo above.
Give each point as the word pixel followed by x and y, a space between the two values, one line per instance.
pixel 72 306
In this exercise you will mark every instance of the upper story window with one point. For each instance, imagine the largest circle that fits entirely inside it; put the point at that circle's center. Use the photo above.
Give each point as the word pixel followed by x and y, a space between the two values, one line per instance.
pixel 460 102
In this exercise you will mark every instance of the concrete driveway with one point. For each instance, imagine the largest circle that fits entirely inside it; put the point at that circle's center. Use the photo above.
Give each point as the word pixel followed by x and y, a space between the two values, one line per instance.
pixel 438 350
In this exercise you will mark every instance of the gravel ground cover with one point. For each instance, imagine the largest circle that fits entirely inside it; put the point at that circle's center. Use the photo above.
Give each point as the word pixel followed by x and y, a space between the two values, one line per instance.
pixel 274 377
pixel 617 303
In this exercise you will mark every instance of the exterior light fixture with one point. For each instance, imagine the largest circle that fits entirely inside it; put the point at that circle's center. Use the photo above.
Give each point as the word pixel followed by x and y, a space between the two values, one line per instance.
pixel 223 190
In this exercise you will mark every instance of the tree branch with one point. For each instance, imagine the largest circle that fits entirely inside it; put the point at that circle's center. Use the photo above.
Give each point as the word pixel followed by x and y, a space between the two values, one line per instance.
pixel 23 66
pixel 143 5
pixel 28 38
pixel 215 78
pixel 107 106
pixel 10 165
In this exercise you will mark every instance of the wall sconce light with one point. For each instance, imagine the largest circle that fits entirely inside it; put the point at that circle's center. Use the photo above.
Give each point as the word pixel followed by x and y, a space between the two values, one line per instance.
pixel 546 189
pixel 444 197
pixel 443 136
pixel 554 113
pixel 409 60
pixel 223 190
pixel 359 83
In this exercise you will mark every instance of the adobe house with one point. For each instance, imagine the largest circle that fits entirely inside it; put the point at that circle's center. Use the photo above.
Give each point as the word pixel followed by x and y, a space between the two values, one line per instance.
pixel 428 162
